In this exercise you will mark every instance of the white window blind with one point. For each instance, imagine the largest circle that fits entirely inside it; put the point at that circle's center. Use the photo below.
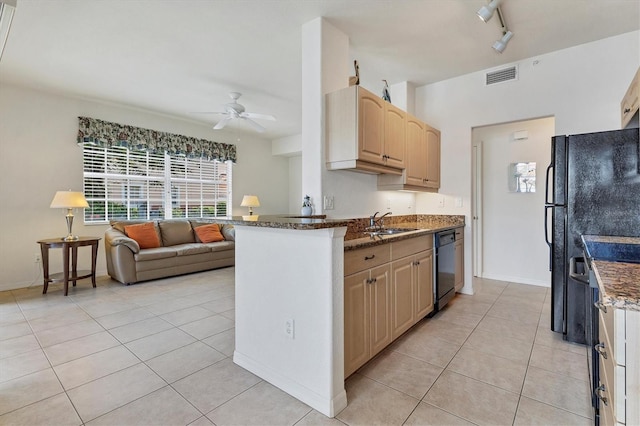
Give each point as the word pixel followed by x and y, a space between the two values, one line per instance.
pixel 120 184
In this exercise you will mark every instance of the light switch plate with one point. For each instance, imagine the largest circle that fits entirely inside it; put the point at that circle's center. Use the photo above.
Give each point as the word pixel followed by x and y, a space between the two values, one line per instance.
pixel 327 202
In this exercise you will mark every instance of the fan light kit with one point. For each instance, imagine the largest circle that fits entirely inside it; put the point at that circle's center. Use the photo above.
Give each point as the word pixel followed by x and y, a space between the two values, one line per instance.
pixel 486 13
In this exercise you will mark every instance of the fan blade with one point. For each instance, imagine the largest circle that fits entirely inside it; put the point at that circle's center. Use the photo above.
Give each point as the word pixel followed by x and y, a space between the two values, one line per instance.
pixel 259 116
pixel 208 112
pixel 255 125
pixel 222 123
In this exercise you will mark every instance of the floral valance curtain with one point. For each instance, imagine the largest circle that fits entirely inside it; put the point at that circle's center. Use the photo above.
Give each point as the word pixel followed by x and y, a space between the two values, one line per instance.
pixel 105 133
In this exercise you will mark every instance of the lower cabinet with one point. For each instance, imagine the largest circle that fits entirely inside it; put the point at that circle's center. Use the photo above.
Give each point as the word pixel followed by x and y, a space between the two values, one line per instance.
pixel 411 291
pixel 619 358
pixel 387 289
pixel 367 306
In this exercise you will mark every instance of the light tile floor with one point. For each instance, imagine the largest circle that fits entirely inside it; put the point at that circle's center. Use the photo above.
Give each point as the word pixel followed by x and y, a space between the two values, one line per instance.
pixel 159 353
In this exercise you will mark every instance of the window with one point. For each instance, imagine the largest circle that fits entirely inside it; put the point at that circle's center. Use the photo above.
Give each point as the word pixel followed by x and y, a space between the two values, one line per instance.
pixel 122 184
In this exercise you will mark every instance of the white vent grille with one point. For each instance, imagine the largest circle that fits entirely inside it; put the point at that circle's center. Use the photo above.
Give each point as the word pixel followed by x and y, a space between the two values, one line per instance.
pixel 500 76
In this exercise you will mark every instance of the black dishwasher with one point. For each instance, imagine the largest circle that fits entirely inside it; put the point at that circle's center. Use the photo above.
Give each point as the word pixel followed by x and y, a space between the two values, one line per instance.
pixel 445 268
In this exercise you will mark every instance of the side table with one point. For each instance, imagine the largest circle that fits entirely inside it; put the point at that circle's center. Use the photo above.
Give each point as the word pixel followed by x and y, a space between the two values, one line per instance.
pixel 67 275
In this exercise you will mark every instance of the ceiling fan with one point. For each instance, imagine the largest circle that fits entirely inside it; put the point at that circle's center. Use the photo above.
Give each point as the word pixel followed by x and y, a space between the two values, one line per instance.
pixel 235 110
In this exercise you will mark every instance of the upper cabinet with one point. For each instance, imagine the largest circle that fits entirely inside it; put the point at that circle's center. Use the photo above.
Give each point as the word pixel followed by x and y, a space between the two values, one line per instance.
pixel 364 132
pixel 630 104
pixel 367 134
pixel 422 172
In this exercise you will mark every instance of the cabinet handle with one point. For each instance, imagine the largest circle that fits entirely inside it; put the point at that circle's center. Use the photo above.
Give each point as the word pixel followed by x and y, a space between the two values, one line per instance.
pixel 417 262
pixel 372 280
pixel 369 257
pixel 627 110
pixel 599 389
pixel 600 306
pixel 600 349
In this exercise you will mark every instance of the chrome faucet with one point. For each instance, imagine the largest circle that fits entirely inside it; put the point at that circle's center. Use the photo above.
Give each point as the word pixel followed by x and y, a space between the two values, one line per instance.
pixel 377 223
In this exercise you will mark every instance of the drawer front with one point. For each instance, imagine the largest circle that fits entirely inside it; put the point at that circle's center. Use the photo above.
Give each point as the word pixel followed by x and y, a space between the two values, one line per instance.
pixel 459 233
pixel 606 326
pixel 404 248
pixel 366 258
pixel 607 383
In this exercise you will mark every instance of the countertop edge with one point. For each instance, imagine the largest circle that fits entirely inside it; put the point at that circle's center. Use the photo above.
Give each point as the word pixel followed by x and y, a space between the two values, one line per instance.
pixel 612 292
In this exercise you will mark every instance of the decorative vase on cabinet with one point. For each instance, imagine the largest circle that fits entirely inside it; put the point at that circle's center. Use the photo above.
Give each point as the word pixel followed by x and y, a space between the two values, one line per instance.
pixel 307 208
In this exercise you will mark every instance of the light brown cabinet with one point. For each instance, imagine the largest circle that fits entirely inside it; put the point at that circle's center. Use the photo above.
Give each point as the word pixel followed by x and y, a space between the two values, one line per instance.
pixel 459 259
pixel 630 104
pixel 422 171
pixel 367 305
pixel 619 359
pixel 387 289
pixel 363 132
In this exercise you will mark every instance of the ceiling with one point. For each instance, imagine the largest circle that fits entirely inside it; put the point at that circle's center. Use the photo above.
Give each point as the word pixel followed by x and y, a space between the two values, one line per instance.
pixel 180 56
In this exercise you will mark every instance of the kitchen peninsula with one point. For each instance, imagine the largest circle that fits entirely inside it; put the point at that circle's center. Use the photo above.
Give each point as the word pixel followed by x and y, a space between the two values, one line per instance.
pixel 290 298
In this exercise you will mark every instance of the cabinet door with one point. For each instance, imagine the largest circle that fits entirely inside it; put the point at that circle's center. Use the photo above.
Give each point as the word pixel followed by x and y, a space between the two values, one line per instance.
pixel 416 158
pixel 432 173
pixel 356 321
pixel 394 136
pixel 424 284
pixel 380 308
pixel 459 270
pixel 370 127
pixel 402 283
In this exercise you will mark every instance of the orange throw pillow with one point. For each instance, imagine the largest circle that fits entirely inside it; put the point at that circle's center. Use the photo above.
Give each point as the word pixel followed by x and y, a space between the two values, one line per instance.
pixel 209 233
pixel 144 233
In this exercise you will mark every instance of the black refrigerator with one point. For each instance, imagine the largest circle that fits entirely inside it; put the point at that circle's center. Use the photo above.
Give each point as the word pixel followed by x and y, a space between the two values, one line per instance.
pixel 592 187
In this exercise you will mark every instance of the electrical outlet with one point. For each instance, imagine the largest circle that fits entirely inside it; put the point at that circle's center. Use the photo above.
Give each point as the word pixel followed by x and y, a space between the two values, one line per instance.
pixel 458 201
pixel 290 328
pixel 37 258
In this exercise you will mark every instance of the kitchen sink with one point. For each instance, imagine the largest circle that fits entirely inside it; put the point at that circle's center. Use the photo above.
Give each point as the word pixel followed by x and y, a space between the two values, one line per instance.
pixel 613 252
pixel 389 231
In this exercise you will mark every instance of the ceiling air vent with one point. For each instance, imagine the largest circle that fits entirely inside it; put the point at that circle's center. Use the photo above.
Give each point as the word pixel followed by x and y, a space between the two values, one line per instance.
pixel 500 76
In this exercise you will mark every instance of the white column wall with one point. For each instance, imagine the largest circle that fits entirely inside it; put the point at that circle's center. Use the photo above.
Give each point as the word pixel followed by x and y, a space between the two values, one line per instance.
pixel 297 275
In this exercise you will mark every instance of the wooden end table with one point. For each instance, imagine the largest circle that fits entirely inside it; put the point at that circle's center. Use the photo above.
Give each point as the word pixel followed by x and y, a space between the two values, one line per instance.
pixel 67 275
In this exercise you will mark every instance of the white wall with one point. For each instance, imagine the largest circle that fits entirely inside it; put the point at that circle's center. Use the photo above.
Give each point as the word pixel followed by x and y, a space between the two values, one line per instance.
pixel 513 222
pixel 39 155
pixel 581 87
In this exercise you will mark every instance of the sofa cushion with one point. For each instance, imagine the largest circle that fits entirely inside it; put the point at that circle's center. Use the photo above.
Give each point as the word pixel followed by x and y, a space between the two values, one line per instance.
pixel 221 246
pixel 144 234
pixel 155 253
pixel 229 232
pixel 176 232
pixel 193 248
pixel 209 233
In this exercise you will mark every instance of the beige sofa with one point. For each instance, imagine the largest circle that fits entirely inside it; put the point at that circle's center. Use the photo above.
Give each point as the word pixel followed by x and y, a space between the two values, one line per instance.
pixel 181 251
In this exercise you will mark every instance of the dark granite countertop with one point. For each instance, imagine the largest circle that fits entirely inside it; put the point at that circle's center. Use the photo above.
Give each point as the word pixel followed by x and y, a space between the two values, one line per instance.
pixel 618 282
pixel 356 237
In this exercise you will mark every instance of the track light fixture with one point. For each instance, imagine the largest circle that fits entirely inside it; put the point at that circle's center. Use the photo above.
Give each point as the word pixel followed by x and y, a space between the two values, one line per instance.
pixel 486 12
pixel 501 44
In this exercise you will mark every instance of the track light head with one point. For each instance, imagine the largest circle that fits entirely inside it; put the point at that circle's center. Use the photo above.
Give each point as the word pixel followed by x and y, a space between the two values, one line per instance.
pixel 486 12
pixel 501 44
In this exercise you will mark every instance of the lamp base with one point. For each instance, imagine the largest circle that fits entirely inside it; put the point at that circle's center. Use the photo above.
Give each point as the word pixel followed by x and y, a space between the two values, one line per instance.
pixel 70 238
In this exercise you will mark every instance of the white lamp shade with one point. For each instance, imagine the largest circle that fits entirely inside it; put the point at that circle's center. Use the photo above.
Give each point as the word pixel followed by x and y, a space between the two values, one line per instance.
pixel 69 200
pixel 250 201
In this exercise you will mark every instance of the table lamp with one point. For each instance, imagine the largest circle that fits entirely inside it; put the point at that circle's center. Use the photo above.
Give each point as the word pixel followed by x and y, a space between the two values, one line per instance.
pixel 69 200
pixel 250 201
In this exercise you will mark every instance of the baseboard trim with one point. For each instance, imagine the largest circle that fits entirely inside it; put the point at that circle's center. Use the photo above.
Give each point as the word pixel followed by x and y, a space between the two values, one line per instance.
pixel 517 280
pixel 328 407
